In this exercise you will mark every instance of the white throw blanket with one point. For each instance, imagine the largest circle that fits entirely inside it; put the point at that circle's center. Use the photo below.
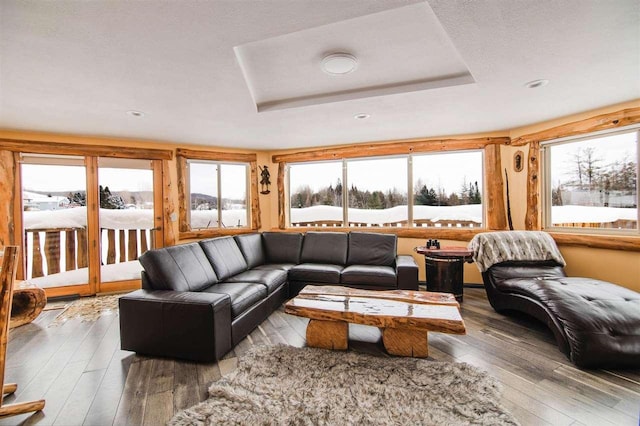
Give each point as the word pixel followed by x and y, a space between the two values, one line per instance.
pixel 490 248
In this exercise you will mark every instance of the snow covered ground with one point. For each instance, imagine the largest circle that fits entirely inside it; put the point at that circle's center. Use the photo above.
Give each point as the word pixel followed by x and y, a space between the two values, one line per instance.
pixel 471 213
pixel 591 214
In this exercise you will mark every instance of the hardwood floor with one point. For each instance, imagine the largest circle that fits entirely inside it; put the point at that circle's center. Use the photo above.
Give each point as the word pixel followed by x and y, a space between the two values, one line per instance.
pixel 86 379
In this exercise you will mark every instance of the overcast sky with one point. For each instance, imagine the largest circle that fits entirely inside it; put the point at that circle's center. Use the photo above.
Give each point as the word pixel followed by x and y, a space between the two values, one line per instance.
pixel 607 149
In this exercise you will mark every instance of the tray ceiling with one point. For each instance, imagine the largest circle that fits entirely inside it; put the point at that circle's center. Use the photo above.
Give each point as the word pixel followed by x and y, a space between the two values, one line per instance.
pixel 201 71
pixel 397 51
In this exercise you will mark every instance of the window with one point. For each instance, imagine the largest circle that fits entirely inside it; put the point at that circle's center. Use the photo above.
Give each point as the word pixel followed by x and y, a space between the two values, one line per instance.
pixel 592 182
pixel 316 194
pixel 377 192
pixel 218 193
pixel 445 188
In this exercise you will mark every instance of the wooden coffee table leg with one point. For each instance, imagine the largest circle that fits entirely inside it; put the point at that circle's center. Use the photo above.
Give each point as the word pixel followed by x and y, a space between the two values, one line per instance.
pixel 328 334
pixel 405 342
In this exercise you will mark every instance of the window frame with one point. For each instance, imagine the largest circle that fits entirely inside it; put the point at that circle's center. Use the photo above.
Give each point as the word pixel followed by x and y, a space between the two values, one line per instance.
pixel 183 157
pixel 546 184
pixel 409 158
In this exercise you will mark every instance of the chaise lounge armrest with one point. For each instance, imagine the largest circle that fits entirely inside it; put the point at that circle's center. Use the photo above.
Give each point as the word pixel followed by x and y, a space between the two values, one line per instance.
pixel 407 272
pixel 178 324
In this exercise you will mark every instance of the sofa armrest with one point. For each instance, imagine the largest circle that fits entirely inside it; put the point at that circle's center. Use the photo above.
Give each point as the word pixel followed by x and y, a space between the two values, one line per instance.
pixel 178 324
pixel 407 272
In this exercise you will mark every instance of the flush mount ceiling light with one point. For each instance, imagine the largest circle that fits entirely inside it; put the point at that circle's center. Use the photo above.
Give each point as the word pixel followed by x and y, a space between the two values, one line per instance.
pixel 536 83
pixel 339 63
pixel 134 113
pixel 361 116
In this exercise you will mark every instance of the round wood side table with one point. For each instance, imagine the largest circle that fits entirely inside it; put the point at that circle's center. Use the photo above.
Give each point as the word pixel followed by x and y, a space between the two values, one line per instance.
pixel 444 267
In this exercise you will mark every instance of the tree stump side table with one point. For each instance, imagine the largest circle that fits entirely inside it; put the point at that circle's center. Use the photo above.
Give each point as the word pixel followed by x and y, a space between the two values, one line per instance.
pixel 28 301
pixel 444 267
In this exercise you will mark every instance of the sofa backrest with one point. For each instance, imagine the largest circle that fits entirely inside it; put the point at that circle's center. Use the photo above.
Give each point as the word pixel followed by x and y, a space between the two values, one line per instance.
pixel 180 268
pixel 366 248
pixel 225 256
pixel 251 247
pixel 282 247
pixel 325 247
pixel 534 269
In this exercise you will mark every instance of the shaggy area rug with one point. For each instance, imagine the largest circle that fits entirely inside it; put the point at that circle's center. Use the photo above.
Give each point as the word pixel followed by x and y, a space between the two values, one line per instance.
pixel 284 385
pixel 86 309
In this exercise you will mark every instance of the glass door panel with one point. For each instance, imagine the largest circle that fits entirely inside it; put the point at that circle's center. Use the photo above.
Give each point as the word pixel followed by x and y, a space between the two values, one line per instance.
pixel 54 218
pixel 126 217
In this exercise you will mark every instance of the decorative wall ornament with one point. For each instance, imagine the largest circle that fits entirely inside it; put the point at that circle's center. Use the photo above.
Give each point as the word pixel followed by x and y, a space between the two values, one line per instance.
pixel 518 161
pixel 265 181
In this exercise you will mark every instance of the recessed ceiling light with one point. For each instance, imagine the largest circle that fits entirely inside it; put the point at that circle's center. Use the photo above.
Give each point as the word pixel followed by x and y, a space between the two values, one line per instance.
pixel 134 113
pixel 362 116
pixel 339 63
pixel 536 83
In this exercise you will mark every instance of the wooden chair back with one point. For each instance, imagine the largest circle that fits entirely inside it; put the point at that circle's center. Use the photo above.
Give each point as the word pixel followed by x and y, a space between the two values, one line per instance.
pixel 7 279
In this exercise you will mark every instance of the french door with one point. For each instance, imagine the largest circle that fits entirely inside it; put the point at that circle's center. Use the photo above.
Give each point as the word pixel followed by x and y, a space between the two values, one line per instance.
pixel 87 219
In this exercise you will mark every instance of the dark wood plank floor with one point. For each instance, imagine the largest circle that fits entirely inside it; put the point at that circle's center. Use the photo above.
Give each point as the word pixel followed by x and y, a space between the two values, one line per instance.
pixel 87 380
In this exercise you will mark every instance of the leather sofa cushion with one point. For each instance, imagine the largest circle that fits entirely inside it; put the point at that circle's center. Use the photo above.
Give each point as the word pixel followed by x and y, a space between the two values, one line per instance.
pixel 369 275
pixel 242 295
pixel 281 266
pixel 506 270
pixel 251 247
pixel 271 278
pixel 183 267
pixel 366 248
pixel 225 256
pixel 282 247
pixel 316 272
pixel 325 247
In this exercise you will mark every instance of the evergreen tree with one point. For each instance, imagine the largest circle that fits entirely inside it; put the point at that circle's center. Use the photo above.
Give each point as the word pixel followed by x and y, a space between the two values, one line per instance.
pixel 109 200
pixel 474 194
pixel 426 197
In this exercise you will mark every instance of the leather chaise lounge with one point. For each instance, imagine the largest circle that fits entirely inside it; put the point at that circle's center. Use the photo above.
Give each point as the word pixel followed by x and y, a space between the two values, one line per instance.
pixel 198 300
pixel 595 323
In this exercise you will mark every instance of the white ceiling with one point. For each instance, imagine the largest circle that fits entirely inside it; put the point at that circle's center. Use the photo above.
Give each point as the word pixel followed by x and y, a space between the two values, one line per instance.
pixel 198 69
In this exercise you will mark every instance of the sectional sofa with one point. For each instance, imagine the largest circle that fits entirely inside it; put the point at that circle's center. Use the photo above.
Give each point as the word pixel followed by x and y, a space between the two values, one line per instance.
pixel 198 300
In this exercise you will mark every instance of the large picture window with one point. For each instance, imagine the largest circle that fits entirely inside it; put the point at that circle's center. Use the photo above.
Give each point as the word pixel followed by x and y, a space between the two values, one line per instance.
pixel 445 188
pixel 592 182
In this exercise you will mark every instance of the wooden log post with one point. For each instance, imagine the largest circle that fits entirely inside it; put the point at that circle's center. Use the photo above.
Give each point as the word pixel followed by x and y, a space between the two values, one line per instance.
pixel 256 221
pixel 83 259
pixel 36 258
pixel 122 245
pixel 70 250
pixel 282 220
pixel 406 342
pixel 52 251
pixel 7 194
pixel 111 246
pixel 328 334
pixel 144 246
pixel 532 219
pixel 496 217
pixel 132 252
pixel 28 302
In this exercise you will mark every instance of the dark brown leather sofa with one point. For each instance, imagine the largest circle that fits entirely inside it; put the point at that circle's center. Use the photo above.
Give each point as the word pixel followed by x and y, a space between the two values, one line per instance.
pixel 596 324
pixel 198 300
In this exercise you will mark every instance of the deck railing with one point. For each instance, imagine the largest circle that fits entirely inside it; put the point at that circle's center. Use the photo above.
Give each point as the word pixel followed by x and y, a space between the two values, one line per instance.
pixel 53 250
pixel 399 224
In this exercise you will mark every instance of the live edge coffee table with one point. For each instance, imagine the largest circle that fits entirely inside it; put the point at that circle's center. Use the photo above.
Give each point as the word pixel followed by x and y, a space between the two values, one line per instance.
pixel 405 317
